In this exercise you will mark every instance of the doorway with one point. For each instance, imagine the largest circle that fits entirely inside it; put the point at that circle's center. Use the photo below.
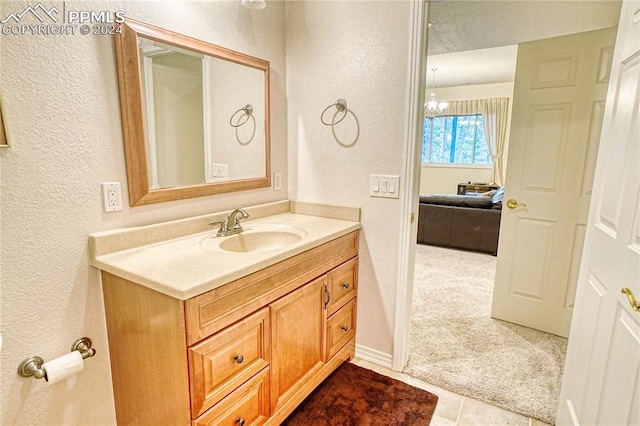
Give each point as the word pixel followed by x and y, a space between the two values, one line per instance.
pixel 455 19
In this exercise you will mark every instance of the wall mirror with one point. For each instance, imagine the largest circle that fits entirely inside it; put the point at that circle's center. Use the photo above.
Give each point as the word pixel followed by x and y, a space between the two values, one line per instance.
pixel 195 116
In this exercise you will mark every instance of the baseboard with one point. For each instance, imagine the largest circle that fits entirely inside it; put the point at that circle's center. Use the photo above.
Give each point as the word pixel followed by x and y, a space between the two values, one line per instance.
pixel 374 356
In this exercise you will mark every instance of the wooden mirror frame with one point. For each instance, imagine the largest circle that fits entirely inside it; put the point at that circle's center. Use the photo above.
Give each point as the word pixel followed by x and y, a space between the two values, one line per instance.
pixel 4 141
pixel 132 110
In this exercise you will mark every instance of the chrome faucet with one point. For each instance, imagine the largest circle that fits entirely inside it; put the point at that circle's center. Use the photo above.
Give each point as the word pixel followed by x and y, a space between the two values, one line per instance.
pixel 232 224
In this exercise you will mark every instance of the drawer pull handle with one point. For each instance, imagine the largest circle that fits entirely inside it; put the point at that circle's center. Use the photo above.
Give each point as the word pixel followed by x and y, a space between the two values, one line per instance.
pixel 239 359
pixel 346 286
pixel 345 328
pixel 328 297
pixel 240 421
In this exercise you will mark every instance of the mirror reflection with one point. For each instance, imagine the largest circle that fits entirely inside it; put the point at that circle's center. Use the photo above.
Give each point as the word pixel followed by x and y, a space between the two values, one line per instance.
pixel 199 129
pixel 196 118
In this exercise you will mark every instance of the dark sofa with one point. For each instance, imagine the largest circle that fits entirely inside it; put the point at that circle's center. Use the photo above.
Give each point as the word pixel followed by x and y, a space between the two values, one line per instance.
pixel 470 222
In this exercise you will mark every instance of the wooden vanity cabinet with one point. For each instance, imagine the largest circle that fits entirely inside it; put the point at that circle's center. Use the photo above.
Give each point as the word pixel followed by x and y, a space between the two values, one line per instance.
pixel 245 353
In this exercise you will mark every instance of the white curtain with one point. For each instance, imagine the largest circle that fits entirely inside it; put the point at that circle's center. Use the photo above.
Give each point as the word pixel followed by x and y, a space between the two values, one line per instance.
pixel 494 113
pixel 494 117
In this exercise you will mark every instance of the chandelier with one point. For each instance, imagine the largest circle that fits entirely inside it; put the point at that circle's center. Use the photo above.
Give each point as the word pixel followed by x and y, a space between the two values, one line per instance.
pixel 432 106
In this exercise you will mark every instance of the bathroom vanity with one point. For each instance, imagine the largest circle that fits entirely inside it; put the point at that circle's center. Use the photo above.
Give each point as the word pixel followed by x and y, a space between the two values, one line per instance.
pixel 231 330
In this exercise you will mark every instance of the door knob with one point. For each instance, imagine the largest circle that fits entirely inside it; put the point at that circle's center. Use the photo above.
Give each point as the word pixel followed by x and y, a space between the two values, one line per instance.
pixel 512 204
pixel 632 300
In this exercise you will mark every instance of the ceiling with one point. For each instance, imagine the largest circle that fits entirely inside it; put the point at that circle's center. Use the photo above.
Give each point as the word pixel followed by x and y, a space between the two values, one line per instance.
pixel 475 41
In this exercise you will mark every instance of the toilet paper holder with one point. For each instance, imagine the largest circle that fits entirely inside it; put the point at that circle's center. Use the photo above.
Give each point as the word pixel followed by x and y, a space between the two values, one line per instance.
pixel 32 366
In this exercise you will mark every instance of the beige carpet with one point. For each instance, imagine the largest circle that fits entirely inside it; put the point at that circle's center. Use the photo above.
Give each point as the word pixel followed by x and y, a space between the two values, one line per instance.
pixel 456 345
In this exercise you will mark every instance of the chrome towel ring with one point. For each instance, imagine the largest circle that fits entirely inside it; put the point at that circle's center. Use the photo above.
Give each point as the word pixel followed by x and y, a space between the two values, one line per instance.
pixel 341 107
pixel 241 117
pixel 247 111
pixel 341 111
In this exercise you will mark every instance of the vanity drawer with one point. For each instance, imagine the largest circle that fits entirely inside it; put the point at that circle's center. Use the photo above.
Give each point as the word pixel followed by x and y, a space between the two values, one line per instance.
pixel 224 361
pixel 341 327
pixel 342 283
pixel 248 405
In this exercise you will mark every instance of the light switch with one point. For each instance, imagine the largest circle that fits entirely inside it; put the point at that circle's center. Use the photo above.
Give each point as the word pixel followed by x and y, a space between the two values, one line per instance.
pixel 385 186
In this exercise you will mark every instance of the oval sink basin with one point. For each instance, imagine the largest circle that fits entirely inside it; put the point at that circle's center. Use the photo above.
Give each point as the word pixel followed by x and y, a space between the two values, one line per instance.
pixel 255 238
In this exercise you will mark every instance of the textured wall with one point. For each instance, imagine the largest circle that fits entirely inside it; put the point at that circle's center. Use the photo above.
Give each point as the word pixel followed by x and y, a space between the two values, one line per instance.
pixel 358 51
pixel 61 100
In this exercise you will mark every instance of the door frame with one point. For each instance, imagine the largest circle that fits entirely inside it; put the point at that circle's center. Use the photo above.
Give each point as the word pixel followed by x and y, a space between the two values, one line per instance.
pixel 411 190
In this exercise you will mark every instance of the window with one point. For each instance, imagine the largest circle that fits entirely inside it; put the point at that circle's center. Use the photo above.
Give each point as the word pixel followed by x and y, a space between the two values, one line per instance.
pixel 457 139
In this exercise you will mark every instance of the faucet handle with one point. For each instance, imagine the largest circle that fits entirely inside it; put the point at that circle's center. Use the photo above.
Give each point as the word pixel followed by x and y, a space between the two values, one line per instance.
pixel 218 222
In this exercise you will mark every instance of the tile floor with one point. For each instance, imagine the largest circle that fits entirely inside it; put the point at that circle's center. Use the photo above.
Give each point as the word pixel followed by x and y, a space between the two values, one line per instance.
pixel 456 410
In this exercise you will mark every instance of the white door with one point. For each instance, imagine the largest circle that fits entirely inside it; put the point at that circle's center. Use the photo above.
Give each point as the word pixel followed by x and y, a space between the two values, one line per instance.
pixel 558 102
pixel 601 383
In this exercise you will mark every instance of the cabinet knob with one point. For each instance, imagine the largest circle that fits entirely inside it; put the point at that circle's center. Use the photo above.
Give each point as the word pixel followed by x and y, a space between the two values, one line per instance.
pixel 345 328
pixel 346 285
pixel 239 359
pixel 240 421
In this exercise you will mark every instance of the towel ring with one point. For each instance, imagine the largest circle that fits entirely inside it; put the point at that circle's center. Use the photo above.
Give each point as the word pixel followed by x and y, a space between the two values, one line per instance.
pixel 247 111
pixel 241 120
pixel 346 145
pixel 341 106
pixel 253 133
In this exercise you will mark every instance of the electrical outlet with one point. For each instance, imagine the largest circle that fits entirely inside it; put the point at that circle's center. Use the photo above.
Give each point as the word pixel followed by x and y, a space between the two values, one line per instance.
pixel 112 196
pixel 219 171
pixel 277 181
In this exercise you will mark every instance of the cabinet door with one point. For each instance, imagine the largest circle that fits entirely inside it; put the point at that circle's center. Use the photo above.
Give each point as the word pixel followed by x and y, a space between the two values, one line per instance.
pixel 298 340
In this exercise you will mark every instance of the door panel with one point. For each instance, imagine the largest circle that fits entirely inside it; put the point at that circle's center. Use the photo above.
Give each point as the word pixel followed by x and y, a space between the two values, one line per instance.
pixel 546 141
pixel 560 87
pixel 601 383
pixel 617 391
pixel 532 256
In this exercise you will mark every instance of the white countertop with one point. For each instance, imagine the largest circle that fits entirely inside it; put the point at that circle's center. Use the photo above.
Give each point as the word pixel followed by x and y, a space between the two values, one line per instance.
pixel 183 268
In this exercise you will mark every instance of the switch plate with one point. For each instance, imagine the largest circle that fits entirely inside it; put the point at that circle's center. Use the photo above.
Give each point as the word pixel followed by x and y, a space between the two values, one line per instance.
pixel 277 181
pixel 384 186
pixel 112 196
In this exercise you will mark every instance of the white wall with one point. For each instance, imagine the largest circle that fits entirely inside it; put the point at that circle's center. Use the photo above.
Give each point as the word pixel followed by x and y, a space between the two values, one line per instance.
pixel 358 51
pixel 61 101
pixel 444 179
